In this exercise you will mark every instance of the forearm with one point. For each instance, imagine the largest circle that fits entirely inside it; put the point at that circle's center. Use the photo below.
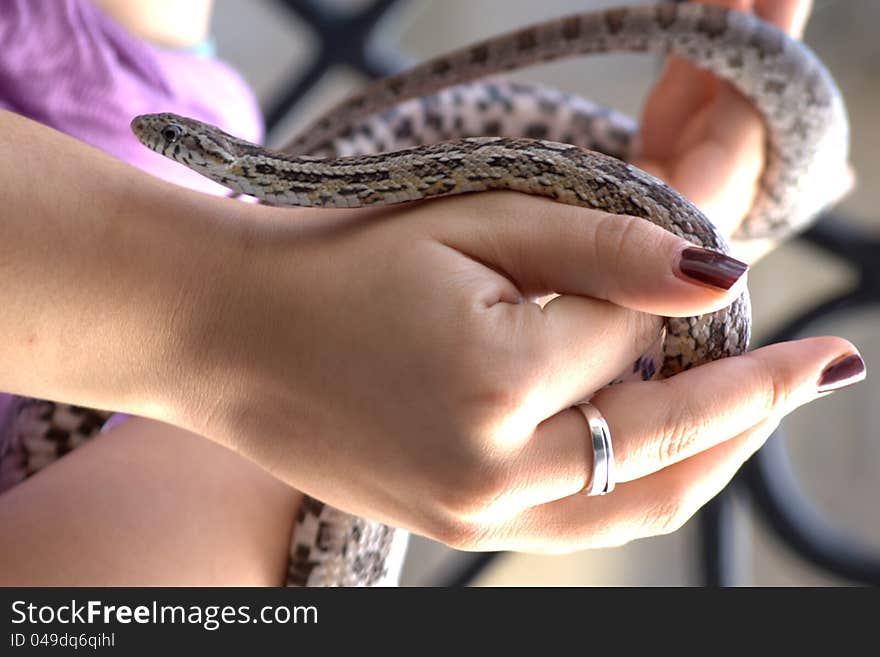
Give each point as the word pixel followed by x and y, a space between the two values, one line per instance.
pixel 100 267
pixel 131 522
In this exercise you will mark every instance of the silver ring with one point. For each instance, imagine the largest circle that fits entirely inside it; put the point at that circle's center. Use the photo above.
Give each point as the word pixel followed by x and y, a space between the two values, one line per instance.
pixel 603 479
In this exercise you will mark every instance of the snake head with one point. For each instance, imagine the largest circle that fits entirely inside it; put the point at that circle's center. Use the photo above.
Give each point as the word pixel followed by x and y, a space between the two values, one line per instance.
pixel 198 145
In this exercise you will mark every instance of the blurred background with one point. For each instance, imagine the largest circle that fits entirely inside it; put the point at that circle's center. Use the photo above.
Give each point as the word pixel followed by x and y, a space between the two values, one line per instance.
pixel 807 510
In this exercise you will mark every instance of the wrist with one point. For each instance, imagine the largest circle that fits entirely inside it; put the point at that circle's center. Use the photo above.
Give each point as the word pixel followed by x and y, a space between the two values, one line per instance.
pixel 106 271
pixel 259 312
pixel 190 308
pixel 219 295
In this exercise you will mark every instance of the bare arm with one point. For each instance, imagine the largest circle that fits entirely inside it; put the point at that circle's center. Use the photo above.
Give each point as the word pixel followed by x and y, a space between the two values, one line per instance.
pixel 100 267
pixel 147 504
pixel 164 22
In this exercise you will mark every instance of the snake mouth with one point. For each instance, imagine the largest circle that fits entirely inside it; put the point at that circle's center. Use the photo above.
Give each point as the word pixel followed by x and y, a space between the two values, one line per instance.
pixel 148 131
pixel 138 126
pixel 219 161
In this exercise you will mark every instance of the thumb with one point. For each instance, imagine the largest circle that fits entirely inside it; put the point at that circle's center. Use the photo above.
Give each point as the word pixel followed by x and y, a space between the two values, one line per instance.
pixel 545 247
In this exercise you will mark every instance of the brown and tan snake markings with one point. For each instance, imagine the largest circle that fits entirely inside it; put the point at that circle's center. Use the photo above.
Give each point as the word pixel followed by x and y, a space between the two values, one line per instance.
pixel 448 98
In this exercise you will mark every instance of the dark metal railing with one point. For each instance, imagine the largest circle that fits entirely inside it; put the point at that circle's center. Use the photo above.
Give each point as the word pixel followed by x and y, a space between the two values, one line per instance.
pixel 350 39
pixel 346 38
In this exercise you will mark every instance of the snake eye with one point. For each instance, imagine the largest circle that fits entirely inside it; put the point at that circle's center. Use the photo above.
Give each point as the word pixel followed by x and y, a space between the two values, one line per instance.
pixel 171 133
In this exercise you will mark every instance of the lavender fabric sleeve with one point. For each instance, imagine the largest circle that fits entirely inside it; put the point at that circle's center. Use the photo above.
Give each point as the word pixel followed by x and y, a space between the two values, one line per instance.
pixel 69 66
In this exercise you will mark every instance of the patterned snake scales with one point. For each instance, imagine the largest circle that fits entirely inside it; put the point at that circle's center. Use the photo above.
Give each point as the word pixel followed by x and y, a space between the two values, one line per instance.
pixel 498 134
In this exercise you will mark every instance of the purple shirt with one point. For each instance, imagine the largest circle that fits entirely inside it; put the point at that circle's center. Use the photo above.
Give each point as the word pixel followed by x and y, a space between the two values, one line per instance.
pixel 68 65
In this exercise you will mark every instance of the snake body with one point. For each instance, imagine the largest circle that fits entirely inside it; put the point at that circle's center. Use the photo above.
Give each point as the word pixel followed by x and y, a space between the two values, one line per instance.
pixel 442 128
pixel 807 127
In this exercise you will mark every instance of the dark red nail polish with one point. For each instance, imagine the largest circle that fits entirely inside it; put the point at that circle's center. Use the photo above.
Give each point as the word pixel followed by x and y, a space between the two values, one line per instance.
pixel 842 373
pixel 711 268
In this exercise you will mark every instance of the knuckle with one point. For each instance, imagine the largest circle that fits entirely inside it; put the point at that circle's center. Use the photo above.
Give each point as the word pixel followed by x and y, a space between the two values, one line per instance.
pixel 682 431
pixel 493 372
pixel 476 491
pixel 612 233
pixel 461 535
pixel 667 515
pixel 486 405
pixel 500 386
pixel 672 445
pixel 774 390
pixel 620 238
pixel 647 327
pixel 488 393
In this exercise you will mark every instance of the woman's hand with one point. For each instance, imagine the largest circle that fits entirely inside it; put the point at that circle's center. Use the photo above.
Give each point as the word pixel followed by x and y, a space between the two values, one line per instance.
pixel 706 140
pixel 393 364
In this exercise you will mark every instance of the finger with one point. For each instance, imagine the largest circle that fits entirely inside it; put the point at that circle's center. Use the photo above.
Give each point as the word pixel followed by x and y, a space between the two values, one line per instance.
pixel 654 505
pixel 578 345
pixel 699 408
pixel 684 90
pixel 655 424
pixel 790 15
pixel 544 247
pixel 679 94
pixel 720 159
pixel 745 6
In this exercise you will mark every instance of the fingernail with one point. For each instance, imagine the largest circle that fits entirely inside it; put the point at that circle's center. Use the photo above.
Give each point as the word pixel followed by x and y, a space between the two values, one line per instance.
pixel 842 373
pixel 711 268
